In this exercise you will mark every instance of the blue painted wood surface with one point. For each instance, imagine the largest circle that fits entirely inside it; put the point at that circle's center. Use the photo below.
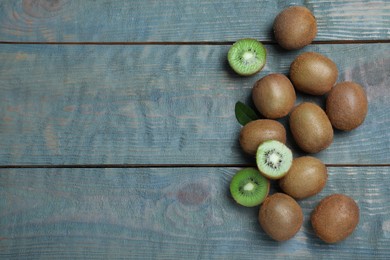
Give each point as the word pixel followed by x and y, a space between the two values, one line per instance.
pixel 172 214
pixel 178 21
pixel 161 104
pixel 145 112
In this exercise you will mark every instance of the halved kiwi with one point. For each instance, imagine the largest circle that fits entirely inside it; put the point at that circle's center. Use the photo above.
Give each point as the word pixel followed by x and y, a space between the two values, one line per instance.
pixel 247 56
pixel 273 159
pixel 249 188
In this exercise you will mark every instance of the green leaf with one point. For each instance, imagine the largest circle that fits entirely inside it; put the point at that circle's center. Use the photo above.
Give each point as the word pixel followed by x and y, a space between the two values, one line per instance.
pixel 244 114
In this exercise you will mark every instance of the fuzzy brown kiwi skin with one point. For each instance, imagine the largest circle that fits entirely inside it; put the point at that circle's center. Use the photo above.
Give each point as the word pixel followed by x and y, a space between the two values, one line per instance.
pixel 256 132
pixel 274 95
pixel 280 216
pixel 347 105
pixel 295 27
pixel 310 127
pixel 313 73
pixel 335 218
pixel 306 177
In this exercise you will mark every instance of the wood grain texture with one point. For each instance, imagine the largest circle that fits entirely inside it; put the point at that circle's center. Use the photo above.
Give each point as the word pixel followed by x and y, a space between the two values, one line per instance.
pixel 163 95
pixel 161 104
pixel 186 20
pixel 171 214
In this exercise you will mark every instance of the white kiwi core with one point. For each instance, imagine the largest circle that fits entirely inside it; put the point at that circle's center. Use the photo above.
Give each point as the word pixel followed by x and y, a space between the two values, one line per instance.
pixel 249 186
pixel 248 56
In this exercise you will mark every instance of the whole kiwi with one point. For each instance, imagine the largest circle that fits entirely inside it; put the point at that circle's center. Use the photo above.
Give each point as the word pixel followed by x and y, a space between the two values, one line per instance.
pixel 280 216
pixel 307 176
pixel 335 218
pixel 295 27
pixel 256 132
pixel 347 105
pixel 310 127
pixel 273 95
pixel 313 73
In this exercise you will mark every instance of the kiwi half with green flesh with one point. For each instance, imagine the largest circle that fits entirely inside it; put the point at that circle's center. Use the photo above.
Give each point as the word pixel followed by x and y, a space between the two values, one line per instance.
pixel 247 56
pixel 249 188
pixel 273 159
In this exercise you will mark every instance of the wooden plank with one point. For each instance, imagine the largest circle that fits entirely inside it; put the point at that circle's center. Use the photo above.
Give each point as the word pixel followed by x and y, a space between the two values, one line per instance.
pixel 186 20
pixel 171 213
pixel 161 104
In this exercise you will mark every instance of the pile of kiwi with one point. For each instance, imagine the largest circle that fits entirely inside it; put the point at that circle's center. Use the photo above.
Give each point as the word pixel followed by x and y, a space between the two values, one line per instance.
pixel 274 96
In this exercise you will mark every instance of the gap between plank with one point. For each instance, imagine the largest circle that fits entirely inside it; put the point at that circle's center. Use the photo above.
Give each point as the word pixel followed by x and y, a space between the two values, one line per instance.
pixel 267 42
pixel 113 166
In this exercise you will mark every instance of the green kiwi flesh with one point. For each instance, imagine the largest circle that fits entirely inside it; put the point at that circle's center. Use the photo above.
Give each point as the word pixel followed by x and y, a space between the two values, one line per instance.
pixel 247 56
pixel 249 188
pixel 273 159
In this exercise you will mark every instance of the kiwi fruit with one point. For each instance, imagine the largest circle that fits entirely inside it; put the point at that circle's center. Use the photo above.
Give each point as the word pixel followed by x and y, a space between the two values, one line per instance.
pixel 273 159
pixel 280 216
pixel 256 132
pixel 273 95
pixel 313 73
pixel 295 27
pixel 335 218
pixel 310 127
pixel 347 105
pixel 247 56
pixel 249 188
pixel 306 177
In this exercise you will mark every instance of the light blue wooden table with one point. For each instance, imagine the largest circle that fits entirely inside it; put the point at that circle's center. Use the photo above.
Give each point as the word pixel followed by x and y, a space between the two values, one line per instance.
pixel 118 138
